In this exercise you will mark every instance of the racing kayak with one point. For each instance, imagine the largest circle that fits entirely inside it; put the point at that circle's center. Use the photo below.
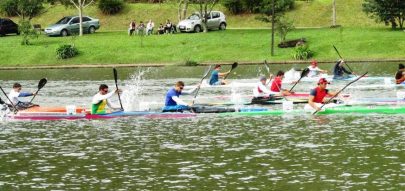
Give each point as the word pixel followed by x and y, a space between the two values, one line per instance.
pixel 332 110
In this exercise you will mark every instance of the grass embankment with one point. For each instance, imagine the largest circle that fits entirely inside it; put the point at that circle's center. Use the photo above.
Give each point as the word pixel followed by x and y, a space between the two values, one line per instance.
pixel 216 46
pixel 316 13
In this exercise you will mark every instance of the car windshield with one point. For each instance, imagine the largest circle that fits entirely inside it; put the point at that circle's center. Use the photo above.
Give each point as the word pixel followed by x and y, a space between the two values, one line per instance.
pixel 64 20
pixel 194 17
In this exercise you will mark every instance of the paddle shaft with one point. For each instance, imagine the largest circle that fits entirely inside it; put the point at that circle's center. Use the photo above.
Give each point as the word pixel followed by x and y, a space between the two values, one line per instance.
pixel 340 92
pixel 34 95
pixel 41 84
pixel 12 104
pixel 116 85
pixel 342 59
pixel 198 88
pixel 233 67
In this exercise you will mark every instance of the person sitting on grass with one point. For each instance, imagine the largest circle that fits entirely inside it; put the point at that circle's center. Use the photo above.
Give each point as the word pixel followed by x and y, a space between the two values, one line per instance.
pixel 173 103
pixel 168 27
pixel 140 30
pixel 161 29
pixel 100 100
pixel 16 93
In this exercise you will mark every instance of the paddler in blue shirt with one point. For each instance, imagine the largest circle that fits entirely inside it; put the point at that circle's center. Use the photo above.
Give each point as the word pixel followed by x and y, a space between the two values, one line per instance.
pixel 339 70
pixel 173 102
pixel 100 100
pixel 215 75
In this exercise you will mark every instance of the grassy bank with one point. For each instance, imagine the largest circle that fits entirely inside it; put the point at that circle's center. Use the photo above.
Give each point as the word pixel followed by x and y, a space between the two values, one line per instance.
pixel 216 46
pixel 316 13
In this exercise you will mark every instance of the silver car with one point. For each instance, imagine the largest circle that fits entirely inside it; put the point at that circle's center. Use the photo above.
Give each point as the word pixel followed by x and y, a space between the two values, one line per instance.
pixel 70 25
pixel 216 20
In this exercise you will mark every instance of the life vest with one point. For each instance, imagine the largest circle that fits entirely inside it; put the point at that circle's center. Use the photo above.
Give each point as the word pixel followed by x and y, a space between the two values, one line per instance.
pixel 319 95
pixel 99 108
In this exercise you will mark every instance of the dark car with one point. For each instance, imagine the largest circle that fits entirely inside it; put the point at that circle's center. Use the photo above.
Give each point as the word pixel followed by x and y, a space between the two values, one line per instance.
pixel 7 26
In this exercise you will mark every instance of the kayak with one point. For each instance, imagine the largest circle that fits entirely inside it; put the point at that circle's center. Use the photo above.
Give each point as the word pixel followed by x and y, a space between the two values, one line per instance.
pixel 333 110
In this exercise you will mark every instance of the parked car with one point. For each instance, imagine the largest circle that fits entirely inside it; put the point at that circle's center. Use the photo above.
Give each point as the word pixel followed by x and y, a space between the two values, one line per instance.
pixel 7 26
pixel 216 20
pixel 70 25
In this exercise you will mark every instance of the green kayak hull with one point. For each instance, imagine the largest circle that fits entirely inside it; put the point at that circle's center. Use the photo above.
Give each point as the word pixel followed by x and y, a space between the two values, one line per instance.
pixel 334 110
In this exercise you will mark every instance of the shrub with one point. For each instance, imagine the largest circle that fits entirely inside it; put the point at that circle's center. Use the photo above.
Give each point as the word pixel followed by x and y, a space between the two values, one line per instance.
pixel 27 32
pixel 191 63
pixel 9 8
pixel 234 6
pixel 66 51
pixel 111 7
pixel 302 52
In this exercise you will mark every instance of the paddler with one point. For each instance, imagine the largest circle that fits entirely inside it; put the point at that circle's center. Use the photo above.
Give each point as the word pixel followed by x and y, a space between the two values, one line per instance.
pixel 339 70
pixel 216 75
pixel 261 92
pixel 314 70
pixel 16 93
pixel 400 75
pixel 276 85
pixel 100 100
pixel 173 102
pixel 317 95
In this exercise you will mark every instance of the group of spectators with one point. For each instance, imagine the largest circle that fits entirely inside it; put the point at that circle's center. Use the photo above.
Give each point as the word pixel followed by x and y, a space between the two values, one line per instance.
pixel 148 29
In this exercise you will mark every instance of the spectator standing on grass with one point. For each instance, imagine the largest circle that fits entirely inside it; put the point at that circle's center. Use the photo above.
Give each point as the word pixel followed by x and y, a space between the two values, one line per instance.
pixel 132 27
pixel 141 28
pixel 149 27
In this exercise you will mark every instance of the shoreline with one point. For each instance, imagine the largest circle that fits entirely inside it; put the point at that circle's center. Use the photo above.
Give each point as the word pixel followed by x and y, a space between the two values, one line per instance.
pixel 78 66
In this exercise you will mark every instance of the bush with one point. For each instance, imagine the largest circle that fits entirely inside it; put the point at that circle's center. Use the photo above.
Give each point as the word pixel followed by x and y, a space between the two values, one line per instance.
pixel 234 6
pixel 257 6
pixel 9 8
pixel 191 63
pixel 27 32
pixel 302 52
pixel 66 51
pixel 110 7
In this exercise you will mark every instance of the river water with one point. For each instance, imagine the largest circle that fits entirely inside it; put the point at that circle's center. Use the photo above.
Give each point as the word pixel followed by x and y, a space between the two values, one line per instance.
pixel 206 152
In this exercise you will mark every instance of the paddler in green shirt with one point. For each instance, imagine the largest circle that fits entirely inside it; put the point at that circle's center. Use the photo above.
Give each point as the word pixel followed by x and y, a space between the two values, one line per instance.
pixel 100 100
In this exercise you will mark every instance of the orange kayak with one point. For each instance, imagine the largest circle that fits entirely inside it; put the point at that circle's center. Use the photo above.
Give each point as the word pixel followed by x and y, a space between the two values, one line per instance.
pixel 53 109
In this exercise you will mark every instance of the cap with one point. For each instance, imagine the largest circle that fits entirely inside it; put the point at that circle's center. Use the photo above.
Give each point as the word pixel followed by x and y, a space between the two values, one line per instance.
pixel 261 78
pixel 323 81
pixel 314 62
pixel 401 66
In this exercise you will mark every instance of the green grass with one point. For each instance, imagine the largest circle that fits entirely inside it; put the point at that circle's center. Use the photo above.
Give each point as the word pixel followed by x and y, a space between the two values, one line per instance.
pixel 216 46
pixel 316 13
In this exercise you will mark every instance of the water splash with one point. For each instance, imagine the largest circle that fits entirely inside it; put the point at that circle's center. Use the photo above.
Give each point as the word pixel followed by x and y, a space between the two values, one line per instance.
pixel 132 96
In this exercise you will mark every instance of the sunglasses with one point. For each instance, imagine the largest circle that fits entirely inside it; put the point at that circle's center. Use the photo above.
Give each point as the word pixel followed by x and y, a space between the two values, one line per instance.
pixel 181 87
pixel 105 90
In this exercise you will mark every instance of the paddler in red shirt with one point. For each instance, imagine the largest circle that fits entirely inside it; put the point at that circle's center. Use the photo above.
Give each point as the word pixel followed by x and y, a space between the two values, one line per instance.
pixel 276 84
pixel 317 95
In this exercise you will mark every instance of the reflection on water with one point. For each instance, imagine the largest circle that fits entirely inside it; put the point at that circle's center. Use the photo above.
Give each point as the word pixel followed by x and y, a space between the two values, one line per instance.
pixel 205 153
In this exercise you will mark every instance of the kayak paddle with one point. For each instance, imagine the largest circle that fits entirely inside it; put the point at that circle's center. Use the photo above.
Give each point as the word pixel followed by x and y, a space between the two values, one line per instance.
pixel 116 85
pixel 234 65
pixel 41 84
pixel 340 91
pixel 12 104
pixel 342 59
pixel 204 76
pixel 303 74
pixel 266 65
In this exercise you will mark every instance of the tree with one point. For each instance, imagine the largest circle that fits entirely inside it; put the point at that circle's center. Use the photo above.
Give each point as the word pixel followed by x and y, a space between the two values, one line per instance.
pixel 387 11
pixel 79 5
pixel 182 10
pixel 283 26
pixel 333 13
pixel 205 8
pixel 269 15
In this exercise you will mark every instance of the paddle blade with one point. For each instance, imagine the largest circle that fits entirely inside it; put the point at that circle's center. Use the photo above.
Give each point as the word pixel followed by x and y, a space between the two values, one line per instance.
pixel 115 75
pixel 305 72
pixel 266 65
pixel 234 65
pixel 42 83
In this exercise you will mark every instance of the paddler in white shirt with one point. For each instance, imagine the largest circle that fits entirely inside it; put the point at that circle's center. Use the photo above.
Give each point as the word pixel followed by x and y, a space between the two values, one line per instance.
pixel 261 92
pixel 100 100
pixel 314 70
